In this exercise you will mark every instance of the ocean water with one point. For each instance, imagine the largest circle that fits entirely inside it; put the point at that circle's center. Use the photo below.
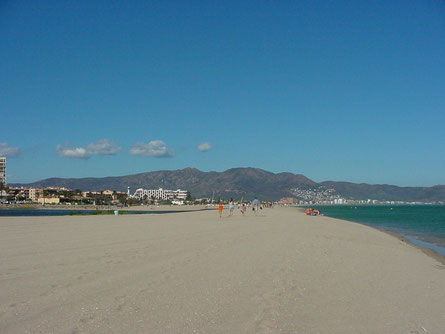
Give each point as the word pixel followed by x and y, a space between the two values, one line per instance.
pixel 423 225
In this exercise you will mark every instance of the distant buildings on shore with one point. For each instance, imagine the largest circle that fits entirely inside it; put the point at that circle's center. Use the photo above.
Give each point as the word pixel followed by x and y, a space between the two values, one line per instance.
pixel 3 170
pixel 344 201
pixel 58 195
pixel 324 196
pixel 62 195
pixel 161 194
pixel 22 194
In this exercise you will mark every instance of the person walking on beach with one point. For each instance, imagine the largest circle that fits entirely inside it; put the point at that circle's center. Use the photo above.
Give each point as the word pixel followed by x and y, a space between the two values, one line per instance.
pixel 243 209
pixel 231 207
pixel 220 208
pixel 255 205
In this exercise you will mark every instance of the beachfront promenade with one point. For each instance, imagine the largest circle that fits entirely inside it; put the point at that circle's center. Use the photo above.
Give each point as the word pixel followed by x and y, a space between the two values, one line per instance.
pixel 279 272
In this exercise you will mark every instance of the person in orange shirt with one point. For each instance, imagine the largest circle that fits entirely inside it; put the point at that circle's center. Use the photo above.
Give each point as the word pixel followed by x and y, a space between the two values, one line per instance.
pixel 220 208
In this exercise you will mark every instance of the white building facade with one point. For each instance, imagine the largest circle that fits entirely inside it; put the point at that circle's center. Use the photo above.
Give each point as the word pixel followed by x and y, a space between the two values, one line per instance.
pixel 3 170
pixel 162 194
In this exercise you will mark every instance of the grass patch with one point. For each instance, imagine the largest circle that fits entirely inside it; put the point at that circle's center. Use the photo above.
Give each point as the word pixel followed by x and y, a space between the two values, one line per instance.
pixel 24 207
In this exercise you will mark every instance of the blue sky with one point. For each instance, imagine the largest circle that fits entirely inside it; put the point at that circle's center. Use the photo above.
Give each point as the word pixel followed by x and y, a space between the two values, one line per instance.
pixel 334 90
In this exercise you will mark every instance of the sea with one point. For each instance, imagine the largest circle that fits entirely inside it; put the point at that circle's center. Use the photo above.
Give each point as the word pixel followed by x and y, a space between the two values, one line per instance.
pixel 423 225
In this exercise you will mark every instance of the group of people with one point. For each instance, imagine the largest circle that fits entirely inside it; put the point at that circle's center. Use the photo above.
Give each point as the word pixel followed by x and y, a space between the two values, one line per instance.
pixel 313 212
pixel 255 205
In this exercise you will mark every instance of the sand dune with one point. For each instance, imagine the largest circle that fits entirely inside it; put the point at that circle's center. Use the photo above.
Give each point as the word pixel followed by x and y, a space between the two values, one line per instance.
pixel 279 272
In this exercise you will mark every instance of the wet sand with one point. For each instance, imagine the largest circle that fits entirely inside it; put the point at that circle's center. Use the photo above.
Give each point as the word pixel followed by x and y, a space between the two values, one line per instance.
pixel 279 272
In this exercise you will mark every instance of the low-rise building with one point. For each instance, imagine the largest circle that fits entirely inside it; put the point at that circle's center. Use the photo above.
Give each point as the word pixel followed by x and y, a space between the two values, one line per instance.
pixel 288 200
pixel 49 200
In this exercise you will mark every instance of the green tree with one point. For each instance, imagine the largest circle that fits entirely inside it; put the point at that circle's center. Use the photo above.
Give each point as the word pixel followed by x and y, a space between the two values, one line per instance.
pixel 20 198
pixel 133 201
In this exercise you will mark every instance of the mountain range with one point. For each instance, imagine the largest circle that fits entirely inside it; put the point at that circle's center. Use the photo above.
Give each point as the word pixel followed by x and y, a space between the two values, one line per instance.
pixel 244 182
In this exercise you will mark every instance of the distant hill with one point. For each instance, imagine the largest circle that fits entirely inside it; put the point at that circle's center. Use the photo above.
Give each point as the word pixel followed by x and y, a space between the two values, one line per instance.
pixel 242 182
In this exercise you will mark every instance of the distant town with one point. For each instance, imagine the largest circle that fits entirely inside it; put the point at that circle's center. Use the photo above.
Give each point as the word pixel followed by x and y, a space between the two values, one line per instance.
pixel 325 196
pixel 66 196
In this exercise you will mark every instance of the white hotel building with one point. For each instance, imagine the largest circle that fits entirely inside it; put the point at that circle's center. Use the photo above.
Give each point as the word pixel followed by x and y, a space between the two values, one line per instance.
pixel 160 193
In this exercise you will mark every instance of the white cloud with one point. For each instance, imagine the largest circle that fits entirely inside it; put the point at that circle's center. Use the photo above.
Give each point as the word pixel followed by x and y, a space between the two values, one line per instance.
pixel 103 147
pixel 9 151
pixel 68 151
pixel 204 147
pixel 155 148
pixel 100 147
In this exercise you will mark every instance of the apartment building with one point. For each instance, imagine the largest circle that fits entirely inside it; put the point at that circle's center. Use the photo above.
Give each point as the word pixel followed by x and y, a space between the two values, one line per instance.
pixel 30 194
pixel 160 193
pixel 3 170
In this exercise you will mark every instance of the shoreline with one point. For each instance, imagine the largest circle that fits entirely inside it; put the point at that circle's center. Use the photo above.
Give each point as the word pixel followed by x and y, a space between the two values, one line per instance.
pixel 426 250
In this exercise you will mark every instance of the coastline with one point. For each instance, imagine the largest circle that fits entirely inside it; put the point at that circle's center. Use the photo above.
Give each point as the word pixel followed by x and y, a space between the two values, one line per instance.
pixel 425 249
pixel 428 251
pixel 279 271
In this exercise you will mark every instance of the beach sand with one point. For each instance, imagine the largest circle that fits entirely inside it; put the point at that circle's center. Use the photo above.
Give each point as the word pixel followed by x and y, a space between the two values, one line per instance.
pixel 279 272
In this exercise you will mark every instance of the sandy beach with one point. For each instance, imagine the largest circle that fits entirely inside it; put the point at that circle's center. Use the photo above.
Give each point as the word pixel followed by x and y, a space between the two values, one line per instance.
pixel 109 207
pixel 191 272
